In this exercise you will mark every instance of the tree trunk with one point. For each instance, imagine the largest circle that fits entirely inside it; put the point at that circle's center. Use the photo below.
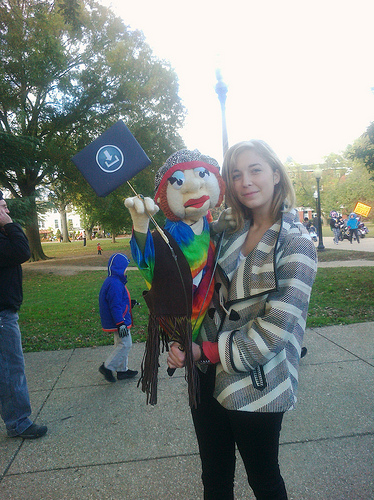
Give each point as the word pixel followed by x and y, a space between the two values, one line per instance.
pixel 113 238
pixel 32 233
pixel 64 225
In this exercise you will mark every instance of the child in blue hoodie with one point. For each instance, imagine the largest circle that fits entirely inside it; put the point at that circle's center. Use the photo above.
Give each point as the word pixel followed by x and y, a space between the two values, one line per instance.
pixel 115 315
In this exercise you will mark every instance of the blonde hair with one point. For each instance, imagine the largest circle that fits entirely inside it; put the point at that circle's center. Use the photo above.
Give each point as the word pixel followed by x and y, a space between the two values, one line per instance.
pixel 284 194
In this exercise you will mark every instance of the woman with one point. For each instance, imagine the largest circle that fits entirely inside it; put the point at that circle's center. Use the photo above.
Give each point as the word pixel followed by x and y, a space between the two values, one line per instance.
pixel 250 343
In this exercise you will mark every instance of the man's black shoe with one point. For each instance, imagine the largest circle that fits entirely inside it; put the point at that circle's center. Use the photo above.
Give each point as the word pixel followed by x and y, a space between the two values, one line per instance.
pixel 107 373
pixel 127 374
pixel 33 432
pixel 304 350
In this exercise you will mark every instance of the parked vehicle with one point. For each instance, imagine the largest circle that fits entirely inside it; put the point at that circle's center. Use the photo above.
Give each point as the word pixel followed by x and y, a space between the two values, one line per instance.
pixel 362 230
pixel 344 233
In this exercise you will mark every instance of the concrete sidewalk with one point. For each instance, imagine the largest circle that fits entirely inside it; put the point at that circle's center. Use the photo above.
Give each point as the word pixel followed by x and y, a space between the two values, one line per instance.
pixel 365 245
pixel 105 443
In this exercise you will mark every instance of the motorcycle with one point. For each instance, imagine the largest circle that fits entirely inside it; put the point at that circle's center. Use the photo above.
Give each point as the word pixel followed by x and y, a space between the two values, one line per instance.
pixel 344 233
pixel 362 230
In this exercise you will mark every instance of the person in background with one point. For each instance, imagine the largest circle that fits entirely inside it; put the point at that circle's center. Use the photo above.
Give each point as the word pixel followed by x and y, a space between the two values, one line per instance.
pixel 315 223
pixel 15 405
pixel 249 346
pixel 352 223
pixel 341 225
pixel 99 249
pixel 115 315
pixel 335 226
pixel 307 223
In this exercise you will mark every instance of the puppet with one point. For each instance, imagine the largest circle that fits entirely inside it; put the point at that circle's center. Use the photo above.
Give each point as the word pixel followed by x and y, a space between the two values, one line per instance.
pixel 178 270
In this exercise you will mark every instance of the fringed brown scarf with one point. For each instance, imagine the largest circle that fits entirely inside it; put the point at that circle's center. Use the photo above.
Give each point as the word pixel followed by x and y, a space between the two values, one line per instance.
pixel 170 307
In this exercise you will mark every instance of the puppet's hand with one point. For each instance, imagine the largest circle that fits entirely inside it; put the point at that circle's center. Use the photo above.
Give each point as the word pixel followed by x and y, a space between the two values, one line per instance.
pixel 139 209
pixel 225 221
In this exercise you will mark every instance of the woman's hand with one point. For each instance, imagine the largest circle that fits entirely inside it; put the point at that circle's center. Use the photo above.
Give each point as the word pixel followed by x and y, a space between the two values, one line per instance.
pixel 177 357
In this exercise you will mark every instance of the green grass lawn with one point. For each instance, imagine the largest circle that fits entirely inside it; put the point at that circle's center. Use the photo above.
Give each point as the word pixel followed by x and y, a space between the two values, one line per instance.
pixel 342 296
pixel 61 312
pixel 75 248
pixel 332 255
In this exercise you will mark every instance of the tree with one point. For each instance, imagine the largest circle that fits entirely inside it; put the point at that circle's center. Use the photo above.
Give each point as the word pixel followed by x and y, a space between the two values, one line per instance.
pixel 357 186
pixel 363 149
pixel 335 168
pixel 108 213
pixel 69 69
pixel 58 197
pixel 345 182
pixel 301 179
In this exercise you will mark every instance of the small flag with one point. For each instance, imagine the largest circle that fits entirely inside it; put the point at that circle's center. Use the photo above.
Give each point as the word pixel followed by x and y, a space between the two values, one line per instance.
pixel 111 159
pixel 362 209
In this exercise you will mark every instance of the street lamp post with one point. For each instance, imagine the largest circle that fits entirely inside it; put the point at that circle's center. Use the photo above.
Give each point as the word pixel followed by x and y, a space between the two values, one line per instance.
pixel 318 175
pixel 221 90
pixel 315 196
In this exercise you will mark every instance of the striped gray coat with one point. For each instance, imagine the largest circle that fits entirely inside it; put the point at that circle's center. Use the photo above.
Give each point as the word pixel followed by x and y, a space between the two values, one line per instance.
pixel 258 316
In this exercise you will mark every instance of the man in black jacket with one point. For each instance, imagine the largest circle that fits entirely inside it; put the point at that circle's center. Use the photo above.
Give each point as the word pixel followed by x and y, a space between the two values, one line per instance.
pixel 15 406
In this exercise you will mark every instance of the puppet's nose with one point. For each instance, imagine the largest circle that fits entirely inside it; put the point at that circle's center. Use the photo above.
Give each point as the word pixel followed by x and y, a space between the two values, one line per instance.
pixel 191 184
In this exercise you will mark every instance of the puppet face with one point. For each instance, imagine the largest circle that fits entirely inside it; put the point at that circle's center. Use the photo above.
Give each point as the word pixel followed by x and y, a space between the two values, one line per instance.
pixel 191 193
pixel 188 185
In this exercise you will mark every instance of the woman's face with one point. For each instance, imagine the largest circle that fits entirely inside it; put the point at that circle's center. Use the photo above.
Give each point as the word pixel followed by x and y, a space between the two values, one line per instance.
pixel 253 182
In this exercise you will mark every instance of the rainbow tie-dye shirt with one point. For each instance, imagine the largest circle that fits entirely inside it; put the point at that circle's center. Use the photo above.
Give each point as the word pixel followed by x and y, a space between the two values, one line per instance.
pixel 199 253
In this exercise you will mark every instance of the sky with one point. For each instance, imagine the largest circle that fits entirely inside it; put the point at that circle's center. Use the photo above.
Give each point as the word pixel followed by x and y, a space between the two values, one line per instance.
pixel 299 73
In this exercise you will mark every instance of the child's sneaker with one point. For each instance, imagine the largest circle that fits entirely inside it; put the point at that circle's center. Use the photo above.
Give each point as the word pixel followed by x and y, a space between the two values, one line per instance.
pixel 107 373
pixel 126 374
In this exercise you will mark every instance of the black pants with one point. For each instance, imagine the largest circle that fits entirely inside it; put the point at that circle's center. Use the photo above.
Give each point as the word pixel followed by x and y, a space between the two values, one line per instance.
pixel 354 232
pixel 256 436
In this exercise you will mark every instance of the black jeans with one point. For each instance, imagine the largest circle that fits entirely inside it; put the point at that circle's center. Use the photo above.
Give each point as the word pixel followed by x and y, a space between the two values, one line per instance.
pixel 256 436
pixel 354 232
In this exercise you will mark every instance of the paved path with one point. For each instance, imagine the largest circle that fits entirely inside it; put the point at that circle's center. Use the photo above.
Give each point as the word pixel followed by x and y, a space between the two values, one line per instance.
pixel 105 443
pixel 366 245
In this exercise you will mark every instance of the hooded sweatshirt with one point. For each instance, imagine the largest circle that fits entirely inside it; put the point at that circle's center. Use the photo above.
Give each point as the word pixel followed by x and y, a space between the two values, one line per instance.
pixel 14 250
pixel 114 298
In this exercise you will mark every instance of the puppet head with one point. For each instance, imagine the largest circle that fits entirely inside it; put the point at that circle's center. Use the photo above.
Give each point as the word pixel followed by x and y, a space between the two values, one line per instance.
pixel 188 185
